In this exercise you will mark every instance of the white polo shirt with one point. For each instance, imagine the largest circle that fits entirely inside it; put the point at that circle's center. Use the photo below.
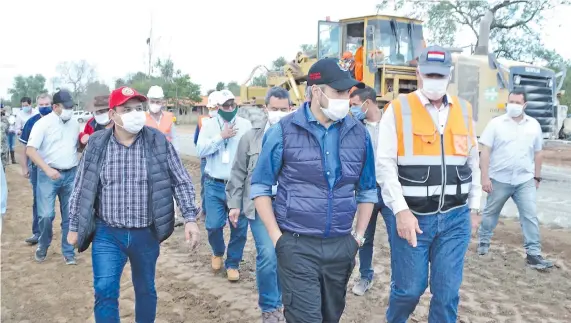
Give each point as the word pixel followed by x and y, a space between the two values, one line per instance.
pixel 513 147
pixel 56 141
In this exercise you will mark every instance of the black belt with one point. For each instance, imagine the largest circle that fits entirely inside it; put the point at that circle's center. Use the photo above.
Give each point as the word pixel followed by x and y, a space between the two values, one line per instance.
pixel 63 170
pixel 223 181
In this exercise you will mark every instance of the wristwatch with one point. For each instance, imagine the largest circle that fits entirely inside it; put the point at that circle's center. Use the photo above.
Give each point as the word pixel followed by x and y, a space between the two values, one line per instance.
pixel 538 179
pixel 360 239
pixel 477 211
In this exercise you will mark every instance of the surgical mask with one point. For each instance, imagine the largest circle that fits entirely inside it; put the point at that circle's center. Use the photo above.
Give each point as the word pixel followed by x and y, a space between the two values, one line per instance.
pixel 102 119
pixel 275 116
pixel 154 108
pixel 27 109
pixel 66 114
pixel 514 110
pixel 45 110
pixel 357 112
pixel 212 113
pixel 133 121
pixel 337 109
pixel 434 89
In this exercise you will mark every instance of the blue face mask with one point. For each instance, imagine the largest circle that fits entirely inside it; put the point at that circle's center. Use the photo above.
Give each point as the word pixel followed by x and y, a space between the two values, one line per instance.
pixel 27 109
pixel 358 113
pixel 45 110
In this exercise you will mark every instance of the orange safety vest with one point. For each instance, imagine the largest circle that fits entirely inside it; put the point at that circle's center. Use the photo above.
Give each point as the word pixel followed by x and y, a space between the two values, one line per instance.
pixel 359 64
pixel 164 125
pixel 200 118
pixel 433 168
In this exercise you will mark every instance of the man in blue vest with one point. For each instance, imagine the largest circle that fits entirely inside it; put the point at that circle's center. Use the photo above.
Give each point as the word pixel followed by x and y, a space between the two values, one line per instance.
pixel 324 162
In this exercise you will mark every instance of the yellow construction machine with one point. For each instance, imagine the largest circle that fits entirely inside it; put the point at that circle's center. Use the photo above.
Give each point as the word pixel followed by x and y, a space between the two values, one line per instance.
pixel 390 47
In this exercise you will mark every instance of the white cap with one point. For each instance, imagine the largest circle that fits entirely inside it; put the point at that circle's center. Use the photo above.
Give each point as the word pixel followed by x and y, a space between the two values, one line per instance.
pixel 224 96
pixel 212 99
pixel 155 92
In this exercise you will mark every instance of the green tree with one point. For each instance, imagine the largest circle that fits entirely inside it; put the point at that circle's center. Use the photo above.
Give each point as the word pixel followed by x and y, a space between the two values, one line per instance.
pixel 30 86
pixel 210 91
pixel 259 80
pixel 94 89
pixel 309 49
pixel 220 86
pixel 279 63
pixel 514 32
pixel 76 76
pixel 234 88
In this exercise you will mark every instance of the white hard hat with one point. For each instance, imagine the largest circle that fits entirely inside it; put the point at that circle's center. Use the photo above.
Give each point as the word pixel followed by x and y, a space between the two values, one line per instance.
pixel 212 99
pixel 224 96
pixel 155 92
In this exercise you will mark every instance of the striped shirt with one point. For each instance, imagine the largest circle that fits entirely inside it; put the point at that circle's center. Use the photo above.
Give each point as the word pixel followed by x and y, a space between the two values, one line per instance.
pixel 123 188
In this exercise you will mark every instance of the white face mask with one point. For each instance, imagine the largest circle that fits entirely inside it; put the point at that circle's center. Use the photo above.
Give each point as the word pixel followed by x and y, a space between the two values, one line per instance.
pixel 154 108
pixel 66 114
pixel 212 113
pixel 514 110
pixel 102 119
pixel 275 116
pixel 337 109
pixel 133 121
pixel 434 89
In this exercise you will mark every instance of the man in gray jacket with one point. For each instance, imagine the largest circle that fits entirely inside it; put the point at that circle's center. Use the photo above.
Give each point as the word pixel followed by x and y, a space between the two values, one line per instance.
pixel 278 105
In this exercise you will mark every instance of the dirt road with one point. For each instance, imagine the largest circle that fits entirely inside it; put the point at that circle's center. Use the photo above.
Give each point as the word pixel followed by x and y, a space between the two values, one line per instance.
pixel 497 288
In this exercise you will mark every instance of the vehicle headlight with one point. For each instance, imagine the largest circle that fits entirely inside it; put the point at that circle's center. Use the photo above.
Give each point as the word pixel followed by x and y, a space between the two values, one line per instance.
pixel 550 83
pixel 517 79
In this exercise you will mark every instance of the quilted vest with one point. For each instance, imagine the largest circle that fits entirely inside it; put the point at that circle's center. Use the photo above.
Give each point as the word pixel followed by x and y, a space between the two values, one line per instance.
pixel 305 204
pixel 160 205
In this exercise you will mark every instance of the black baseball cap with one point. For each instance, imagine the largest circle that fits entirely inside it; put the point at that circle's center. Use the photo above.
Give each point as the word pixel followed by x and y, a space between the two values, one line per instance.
pixel 332 72
pixel 64 97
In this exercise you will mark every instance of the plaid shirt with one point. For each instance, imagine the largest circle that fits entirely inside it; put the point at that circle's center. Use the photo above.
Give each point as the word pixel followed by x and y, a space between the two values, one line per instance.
pixel 123 188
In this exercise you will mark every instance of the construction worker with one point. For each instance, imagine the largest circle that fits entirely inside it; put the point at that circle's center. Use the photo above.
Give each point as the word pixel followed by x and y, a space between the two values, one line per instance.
pixel 212 113
pixel 218 142
pixel 364 108
pixel 511 167
pixel 427 167
pixel 359 58
pixel 29 169
pixel 238 190
pixel 324 162
pixel 133 172
pixel 100 119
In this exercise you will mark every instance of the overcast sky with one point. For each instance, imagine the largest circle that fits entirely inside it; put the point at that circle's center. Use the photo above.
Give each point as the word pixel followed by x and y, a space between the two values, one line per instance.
pixel 219 40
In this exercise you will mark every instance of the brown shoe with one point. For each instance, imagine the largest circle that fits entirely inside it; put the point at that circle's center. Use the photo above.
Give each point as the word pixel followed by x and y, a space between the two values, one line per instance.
pixel 233 274
pixel 217 263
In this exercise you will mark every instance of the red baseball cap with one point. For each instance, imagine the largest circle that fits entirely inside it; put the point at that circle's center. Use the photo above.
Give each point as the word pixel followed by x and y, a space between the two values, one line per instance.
pixel 123 94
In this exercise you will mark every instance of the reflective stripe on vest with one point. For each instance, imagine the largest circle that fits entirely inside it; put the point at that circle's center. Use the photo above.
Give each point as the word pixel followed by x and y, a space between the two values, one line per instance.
pixel 430 163
pixel 164 124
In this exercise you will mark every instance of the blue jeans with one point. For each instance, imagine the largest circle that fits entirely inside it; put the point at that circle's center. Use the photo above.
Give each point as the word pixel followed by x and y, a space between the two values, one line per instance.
pixel 269 291
pixel 111 247
pixel 47 190
pixel 442 246
pixel 366 251
pixel 202 176
pixel 216 218
pixel 524 196
pixel 11 141
pixel 33 169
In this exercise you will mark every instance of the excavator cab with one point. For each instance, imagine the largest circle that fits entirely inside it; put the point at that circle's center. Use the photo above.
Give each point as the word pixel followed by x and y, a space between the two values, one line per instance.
pixel 385 49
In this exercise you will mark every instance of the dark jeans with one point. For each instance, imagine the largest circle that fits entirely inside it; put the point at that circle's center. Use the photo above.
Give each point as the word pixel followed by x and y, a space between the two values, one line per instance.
pixel 366 251
pixel 313 274
pixel 439 252
pixel 111 249
pixel 202 177
pixel 33 169
pixel 11 141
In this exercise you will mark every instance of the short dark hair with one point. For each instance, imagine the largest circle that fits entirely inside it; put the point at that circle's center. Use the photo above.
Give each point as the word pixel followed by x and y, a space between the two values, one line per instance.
pixel 26 99
pixel 519 92
pixel 367 93
pixel 278 93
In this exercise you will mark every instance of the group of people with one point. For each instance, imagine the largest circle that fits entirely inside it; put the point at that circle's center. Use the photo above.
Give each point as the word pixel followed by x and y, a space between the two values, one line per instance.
pixel 299 179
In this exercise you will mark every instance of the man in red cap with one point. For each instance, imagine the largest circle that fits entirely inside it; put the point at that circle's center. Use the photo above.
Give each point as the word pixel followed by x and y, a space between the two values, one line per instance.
pixel 123 203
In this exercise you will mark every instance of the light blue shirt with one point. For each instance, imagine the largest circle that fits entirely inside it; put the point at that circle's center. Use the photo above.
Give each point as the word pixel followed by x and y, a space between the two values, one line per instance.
pixel 211 146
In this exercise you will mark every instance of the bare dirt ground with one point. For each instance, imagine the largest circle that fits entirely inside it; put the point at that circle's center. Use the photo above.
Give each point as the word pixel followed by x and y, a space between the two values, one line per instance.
pixel 497 288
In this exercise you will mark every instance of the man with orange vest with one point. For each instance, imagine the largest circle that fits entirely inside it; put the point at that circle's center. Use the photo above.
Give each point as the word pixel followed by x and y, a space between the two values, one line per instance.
pixel 163 121
pixel 427 167
pixel 157 117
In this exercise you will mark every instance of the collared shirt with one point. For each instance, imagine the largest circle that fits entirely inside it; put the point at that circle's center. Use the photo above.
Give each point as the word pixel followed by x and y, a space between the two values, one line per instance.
pixel 56 141
pixel 328 139
pixel 27 129
pixel 386 160
pixel 373 128
pixel 513 147
pixel 212 147
pixel 22 117
pixel 123 190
